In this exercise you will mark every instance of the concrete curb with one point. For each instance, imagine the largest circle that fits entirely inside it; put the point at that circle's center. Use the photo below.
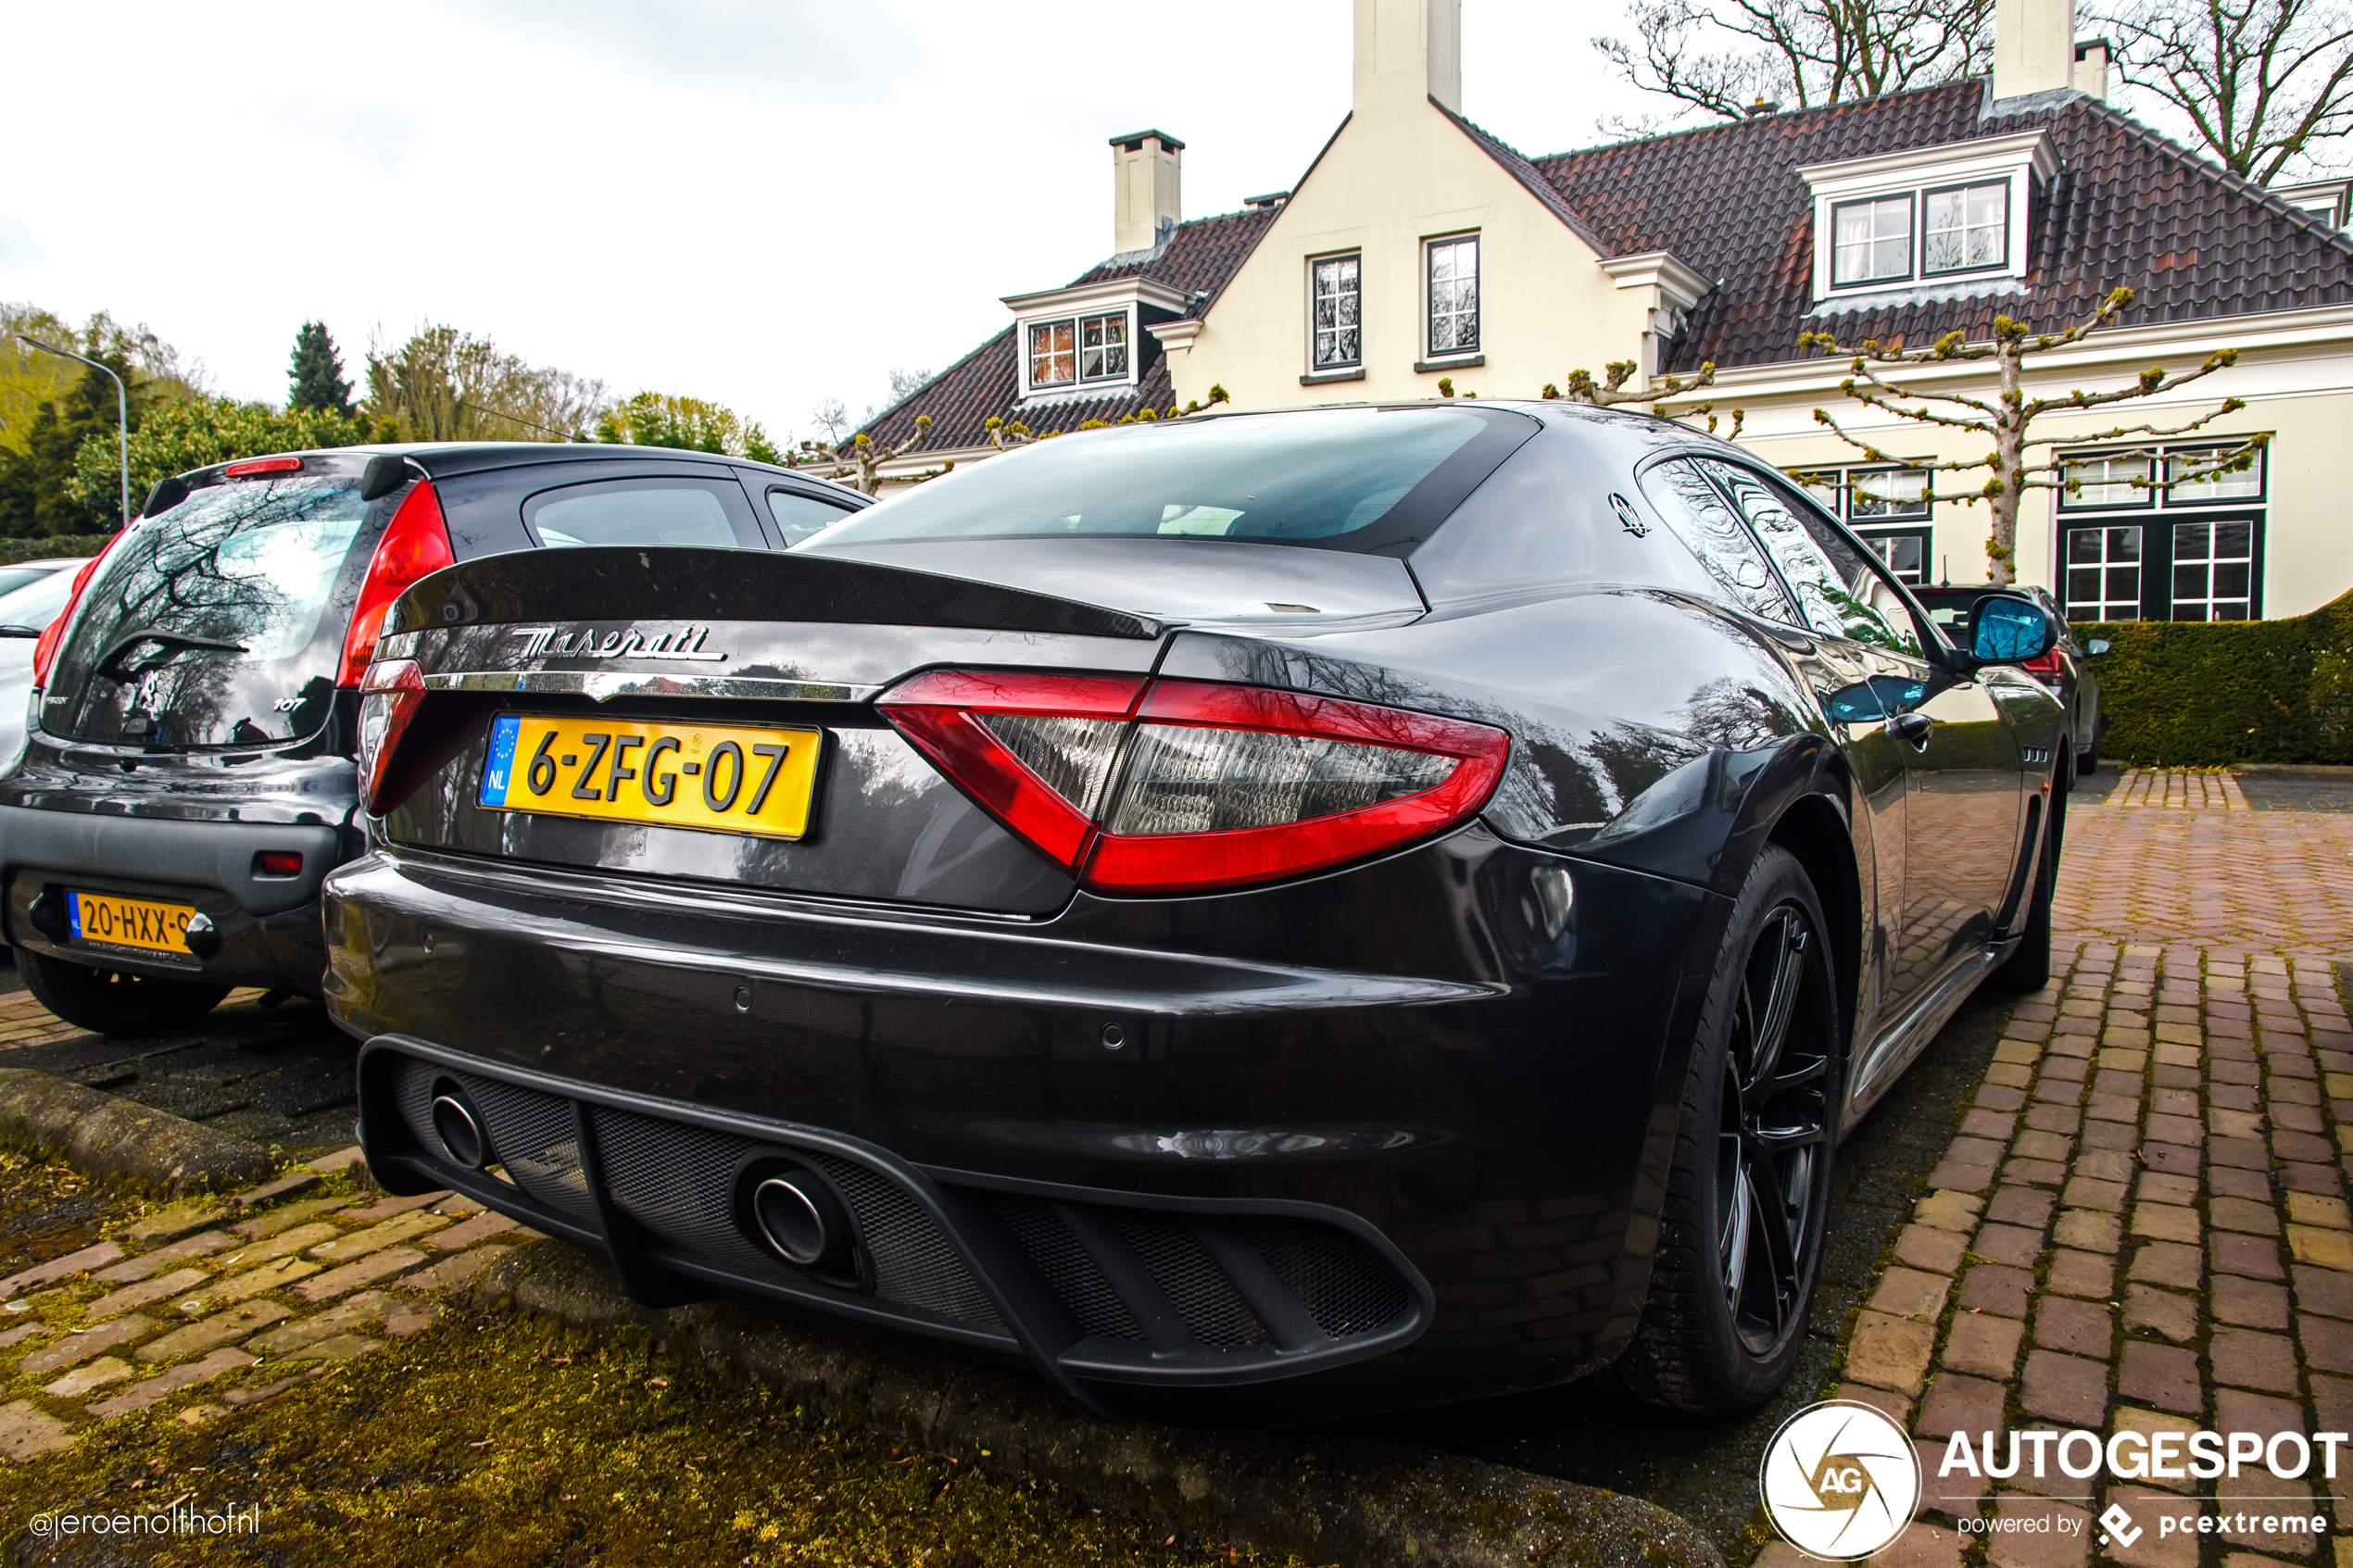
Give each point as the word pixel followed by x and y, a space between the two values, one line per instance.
pixel 107 1136
pixel 1330 1500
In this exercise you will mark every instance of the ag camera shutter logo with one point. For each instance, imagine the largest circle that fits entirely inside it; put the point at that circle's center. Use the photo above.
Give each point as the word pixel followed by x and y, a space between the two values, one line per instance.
pixel 1840 1480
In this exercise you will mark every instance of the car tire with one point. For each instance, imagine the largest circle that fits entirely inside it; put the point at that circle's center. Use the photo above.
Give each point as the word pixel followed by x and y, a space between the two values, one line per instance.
pixel 109 1002
pixel 1741 1231
pixel 2087 762
pixel 2028 966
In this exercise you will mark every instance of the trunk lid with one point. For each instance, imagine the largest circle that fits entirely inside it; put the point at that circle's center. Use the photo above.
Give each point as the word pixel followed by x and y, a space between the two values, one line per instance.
pixel 694 645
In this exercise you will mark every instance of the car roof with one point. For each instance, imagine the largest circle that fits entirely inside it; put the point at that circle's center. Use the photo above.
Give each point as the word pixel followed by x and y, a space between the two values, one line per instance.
pixel 447 459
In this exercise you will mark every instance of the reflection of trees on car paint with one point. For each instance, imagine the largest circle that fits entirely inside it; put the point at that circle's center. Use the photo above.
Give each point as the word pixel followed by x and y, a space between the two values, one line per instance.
pixel 252 565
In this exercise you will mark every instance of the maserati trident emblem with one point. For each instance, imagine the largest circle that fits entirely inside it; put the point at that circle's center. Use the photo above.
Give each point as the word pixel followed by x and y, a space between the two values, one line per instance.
pixel 545 642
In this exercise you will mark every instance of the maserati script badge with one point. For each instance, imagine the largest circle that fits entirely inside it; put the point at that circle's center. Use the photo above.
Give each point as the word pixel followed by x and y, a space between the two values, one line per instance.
pixel 545 642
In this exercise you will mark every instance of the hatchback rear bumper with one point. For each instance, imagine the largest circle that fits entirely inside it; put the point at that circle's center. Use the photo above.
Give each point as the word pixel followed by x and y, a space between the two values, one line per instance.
pixel 268 924
pixel 1409 1186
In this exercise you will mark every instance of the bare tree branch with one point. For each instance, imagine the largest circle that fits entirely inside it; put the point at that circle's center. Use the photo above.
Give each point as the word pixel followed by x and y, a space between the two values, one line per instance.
pixel 2261 83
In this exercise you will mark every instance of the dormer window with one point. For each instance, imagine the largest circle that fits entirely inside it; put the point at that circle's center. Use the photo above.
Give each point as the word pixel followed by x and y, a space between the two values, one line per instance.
pixel 1925 216
pixel 1874 240
pixel 1081 348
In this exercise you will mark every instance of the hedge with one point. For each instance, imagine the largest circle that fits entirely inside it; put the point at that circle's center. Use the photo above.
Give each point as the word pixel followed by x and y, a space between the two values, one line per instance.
pixel 2203 694
pixel 52 549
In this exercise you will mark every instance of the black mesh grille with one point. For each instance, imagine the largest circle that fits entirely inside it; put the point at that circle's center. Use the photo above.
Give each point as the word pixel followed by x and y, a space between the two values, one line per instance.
pixel 534 1137
pixel 1194 1285
pixel 412 1091
pixel 912 1260
pixel 676 1180
pixel 1342 1282
pixel 1067 1268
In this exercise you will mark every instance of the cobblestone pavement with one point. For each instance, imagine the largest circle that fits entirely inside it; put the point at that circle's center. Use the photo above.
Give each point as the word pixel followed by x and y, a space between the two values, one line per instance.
pixel 2140 1224
pixel 279 1074
pixel 236 1299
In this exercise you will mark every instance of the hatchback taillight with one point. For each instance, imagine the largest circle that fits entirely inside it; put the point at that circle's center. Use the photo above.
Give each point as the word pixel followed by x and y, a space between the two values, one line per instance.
pixel 2045 667
pixel 1189 786
pixel 416 544
pixel 44 650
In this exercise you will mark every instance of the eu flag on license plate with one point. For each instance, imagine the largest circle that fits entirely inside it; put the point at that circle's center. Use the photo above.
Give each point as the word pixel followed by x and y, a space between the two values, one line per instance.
pixel 503 732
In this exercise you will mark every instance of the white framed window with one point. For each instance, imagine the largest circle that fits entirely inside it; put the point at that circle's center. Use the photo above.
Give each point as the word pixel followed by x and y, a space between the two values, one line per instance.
pixel 2245 485
pixel 1872 241
pixel 1966 228
pixel 1904 551
pixel 1338 287
pixel 1868 497
pixel 1451 266
pixel 2214 570
pixel 2107 481
pixel 1078 348
pixel 1053 358
pixel 2104 574
pixel 1103 346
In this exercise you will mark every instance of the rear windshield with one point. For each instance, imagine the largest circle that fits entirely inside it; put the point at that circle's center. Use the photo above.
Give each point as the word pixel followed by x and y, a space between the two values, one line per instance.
pixel 209 625
pixel 1341 479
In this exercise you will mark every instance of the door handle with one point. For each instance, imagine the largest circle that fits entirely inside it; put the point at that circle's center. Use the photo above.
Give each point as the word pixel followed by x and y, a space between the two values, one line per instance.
pixel 1912 727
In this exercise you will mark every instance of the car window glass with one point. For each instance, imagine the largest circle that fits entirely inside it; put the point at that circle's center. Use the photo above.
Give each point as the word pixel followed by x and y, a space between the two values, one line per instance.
pixel 636 512
pixel 799 516
pixel 1839 593
pixel 209 625
pixel 37 603
pixel 1697 515
pixel 15 577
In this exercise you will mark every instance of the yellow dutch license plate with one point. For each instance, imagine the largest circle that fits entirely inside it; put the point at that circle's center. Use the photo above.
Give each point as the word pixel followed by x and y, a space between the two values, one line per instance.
pixel 720 778
pixel 105 920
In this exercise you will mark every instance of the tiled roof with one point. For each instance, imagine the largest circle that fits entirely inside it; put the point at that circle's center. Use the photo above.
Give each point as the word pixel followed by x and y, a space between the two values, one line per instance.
pixel 2128 206
pixel 1199 258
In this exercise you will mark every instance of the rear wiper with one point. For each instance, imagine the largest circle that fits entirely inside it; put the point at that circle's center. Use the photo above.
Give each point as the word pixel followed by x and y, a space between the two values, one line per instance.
pixel 13 630
pixel 109 664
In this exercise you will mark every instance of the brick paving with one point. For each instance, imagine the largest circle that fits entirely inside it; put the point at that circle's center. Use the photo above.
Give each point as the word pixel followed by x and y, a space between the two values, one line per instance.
pixel 2184 789
pixel 220 1299
pixel 2141 1224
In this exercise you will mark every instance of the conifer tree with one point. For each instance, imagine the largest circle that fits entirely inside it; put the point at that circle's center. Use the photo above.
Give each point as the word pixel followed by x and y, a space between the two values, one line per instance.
pixel 316 379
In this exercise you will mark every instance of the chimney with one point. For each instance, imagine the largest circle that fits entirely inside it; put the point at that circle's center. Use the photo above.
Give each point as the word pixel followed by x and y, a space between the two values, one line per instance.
pixel 1145 200
pixel 1408 51
pixel 2091 66
pixel 2033 46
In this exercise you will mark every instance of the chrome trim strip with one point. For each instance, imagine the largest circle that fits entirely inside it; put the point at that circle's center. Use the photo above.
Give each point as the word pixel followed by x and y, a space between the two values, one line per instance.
pixel 1901 1042
pixel 605 685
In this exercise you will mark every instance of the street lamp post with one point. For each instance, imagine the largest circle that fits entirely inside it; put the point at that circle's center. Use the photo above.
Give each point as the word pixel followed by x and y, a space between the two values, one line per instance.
pixel 122 411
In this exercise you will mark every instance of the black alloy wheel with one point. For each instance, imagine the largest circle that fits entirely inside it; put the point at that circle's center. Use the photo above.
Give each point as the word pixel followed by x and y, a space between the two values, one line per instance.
pixel 1743 1227
pixel 1774 1115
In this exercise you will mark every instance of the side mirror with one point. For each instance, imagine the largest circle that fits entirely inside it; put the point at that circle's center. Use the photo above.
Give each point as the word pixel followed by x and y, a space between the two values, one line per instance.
pixel 2009 630
pixel 2096 646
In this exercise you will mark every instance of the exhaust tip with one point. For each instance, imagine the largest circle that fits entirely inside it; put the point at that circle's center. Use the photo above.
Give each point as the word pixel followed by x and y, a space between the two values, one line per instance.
pixel 796 1213
pixel 457 1128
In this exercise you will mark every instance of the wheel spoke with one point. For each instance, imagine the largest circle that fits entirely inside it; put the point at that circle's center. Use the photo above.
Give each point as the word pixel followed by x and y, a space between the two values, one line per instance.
pixel 1778 1006
pixel 1781 1255
pixel 1738 1233
pixel 1764 1143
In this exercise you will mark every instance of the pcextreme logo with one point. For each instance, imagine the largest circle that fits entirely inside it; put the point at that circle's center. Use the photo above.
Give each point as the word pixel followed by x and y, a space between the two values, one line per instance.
pixel 1840 1480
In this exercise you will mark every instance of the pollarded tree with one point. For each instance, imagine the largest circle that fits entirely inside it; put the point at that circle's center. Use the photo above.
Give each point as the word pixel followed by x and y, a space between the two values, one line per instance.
pixel 2007 415
pixel 1610 392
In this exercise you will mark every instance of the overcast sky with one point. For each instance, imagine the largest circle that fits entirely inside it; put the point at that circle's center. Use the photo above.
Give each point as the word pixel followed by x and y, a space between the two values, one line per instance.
pixel 762 204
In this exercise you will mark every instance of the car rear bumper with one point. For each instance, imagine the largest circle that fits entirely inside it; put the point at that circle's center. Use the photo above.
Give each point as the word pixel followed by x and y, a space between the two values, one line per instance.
pixel 269 926
pixel 1401 1188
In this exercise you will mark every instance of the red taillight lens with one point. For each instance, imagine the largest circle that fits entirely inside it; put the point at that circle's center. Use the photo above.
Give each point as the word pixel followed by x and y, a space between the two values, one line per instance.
pixel 2045 667
pixel 254 466
pixel 52 636
pixel 394 690
pixel 277 862
pixel 416 544
pixel 1034 750
pixel 1218 785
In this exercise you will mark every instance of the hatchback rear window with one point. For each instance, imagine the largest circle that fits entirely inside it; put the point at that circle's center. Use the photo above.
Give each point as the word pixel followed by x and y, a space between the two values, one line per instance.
pixel 209 625
pixel 644 512
pixel 1341 479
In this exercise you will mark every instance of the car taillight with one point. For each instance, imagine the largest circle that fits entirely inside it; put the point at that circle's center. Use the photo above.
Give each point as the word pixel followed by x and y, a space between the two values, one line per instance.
pixel 2044 667
pixel 1199 785
pixel 395 689
pixel 253 467
pixel 416 544
pixel 52 636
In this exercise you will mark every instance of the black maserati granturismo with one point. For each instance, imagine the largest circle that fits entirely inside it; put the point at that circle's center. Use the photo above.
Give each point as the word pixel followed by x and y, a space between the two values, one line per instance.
pixel 1275 912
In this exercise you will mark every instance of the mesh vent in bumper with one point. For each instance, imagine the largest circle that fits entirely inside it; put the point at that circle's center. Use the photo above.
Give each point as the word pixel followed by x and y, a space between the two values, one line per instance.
pixel 1102 1285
